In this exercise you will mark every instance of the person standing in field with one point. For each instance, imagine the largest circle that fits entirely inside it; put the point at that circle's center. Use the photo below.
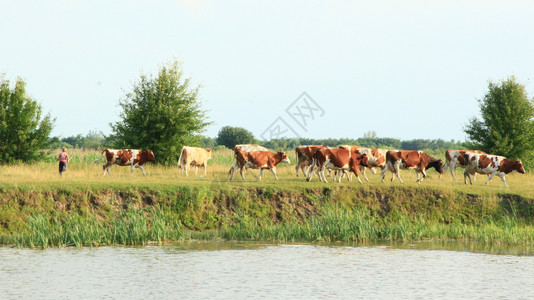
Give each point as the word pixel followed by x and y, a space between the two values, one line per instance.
pixel 63 160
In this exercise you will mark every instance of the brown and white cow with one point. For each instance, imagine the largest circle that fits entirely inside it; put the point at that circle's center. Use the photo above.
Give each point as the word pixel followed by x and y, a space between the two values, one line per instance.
pixel 337 159
pixel 194 156
pixel 304 156
pixel 411 159
pixel 247 148
pixel 258 160
pixel 491 165
pixel 455 158
pixel 376 157
pixel 127 157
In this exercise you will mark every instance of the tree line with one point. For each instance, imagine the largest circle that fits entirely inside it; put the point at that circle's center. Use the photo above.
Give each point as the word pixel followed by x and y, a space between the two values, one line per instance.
pixel 163 112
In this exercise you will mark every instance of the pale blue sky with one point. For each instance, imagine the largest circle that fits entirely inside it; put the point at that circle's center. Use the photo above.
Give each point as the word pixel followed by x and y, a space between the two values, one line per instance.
pixel 405 69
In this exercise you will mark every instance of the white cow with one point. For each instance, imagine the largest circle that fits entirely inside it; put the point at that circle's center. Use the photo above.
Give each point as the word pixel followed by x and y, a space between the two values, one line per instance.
pixel 194 156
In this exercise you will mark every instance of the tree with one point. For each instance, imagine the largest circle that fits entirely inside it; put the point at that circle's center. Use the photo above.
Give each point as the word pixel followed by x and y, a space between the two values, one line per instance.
pixel 507 124
pixel 230 136
pixel 23 129
pixel 92 140
pixel 161 114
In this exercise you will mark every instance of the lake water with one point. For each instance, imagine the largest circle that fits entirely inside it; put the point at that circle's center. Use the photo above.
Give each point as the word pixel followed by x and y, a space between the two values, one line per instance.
pixel 202 270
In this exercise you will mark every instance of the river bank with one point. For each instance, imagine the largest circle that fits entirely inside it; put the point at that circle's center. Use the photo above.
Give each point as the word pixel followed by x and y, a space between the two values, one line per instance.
pixel 95 215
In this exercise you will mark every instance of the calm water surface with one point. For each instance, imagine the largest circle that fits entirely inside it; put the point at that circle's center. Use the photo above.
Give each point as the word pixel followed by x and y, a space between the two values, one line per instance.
pixel 251 270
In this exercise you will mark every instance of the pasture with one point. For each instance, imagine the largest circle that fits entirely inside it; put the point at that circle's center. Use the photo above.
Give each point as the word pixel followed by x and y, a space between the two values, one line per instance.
pixel 39 208
pixel 84 172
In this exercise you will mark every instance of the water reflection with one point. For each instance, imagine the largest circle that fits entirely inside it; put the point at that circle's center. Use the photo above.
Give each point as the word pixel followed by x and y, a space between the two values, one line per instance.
pixel 419 245
pixel 237 270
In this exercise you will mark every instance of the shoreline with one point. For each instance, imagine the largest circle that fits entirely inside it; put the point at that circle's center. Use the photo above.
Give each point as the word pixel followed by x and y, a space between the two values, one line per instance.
pixel 95 216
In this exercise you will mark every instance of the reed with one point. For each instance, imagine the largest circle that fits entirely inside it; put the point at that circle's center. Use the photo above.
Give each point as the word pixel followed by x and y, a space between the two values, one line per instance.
pixel 129 228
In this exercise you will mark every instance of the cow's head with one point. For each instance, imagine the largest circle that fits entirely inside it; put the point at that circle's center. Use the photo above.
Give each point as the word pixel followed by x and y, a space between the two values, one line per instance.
pixel 284 157
pixel 150 156
pixel 209 153
pixel 519 167
pixel 440 167
pixel 437 165
pixel 360 159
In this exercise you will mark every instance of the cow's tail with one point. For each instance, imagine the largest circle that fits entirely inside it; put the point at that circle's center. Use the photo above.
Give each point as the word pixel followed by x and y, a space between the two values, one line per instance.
pixel 98 159
pixel 182 156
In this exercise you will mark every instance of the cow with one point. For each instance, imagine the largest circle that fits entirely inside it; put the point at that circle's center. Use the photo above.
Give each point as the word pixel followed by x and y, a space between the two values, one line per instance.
pixel 194 156
pixel 337 159
pixel 304 156
pixel 410 159
pixel 258 160
pixel 376 157
pixel 491 165
pixel 127 157
pixel 244 147
pixel 455 158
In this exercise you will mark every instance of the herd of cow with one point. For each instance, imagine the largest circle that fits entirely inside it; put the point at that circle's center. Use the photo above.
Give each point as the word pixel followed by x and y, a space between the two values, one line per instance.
pixel 342 161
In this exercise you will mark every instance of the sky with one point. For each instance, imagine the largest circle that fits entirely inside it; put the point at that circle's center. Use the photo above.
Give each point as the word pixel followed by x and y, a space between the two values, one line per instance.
pixel 315 69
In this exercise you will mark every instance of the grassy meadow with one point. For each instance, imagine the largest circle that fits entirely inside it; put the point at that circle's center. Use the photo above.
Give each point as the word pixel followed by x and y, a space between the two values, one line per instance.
pixel 39 208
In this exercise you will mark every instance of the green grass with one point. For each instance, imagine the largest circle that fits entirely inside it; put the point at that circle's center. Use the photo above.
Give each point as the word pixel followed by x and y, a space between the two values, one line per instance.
pixel 38 208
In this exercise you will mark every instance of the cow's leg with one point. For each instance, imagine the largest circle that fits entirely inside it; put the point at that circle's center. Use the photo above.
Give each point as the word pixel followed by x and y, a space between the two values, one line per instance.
pixel 422 171
pixel 321 173
pixel 349 175
pixel 384 171
pixel 261 172
pixel 452 167
pixel 362 169
pixel 142 170
pixel 397 172
pixel 467 174
pixel 310 171
pixel 504 180
pixel 106 168
pixel 297 169
pixel 273 169
pixel 490 178
pixel 242 170
pixel 232 171
pixel 206 169
pixel 359 180
pixel 232 168
pixel 187 169
pixel 305 168
pixel 140 167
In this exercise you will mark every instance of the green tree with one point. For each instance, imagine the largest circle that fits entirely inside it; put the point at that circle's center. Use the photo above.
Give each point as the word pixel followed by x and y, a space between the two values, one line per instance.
pixel 23 129
pixel 92 140
pixel 230 136
pixel 507 124
pixel 162 114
